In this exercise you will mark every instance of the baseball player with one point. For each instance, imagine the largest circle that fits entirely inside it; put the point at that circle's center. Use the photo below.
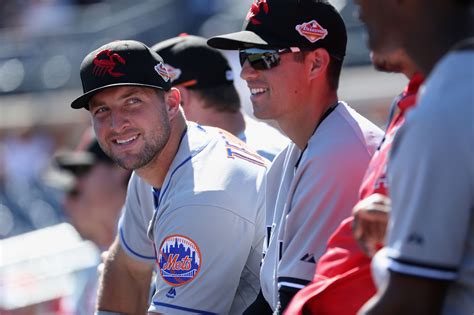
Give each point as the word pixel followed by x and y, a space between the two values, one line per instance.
pixel 192 206
pixel 291 54
pixel 427 264
pixel 343 271
pixel 205 80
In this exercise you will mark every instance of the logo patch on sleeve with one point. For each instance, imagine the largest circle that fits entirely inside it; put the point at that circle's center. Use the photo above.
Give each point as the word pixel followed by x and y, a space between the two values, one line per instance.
pixel 179 260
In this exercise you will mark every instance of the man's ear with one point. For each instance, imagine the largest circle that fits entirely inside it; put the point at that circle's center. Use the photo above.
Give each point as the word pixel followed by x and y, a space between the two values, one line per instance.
pixel 319 62
pixel 172 101
pixel 184 96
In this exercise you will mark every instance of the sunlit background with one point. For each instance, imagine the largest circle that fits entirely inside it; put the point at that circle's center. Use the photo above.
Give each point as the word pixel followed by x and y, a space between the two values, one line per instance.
pixel 42 43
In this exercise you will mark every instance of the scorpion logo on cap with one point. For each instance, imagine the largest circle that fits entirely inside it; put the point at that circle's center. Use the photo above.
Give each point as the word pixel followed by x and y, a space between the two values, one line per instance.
pixel 105 62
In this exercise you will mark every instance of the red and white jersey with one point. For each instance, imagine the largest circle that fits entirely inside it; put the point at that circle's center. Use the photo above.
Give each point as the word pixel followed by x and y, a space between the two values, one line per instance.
pixel 343 271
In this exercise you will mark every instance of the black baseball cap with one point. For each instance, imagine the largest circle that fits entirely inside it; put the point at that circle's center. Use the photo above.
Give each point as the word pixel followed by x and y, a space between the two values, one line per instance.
pixel 307 24
pixel 193 64
pixel 119 63
pixel 68 165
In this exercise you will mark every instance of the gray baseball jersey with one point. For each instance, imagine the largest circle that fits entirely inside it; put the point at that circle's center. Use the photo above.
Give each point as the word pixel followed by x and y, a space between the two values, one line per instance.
pixel 305 204
pixel 263 138
pixel 206 231
pixel 431 176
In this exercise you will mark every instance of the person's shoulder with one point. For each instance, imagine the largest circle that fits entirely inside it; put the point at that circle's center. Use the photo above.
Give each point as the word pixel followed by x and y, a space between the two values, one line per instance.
pixel 451 80
pixel 352 117
pixel 446 98
pixel 265 139
pixel 226 152
pixel 345 129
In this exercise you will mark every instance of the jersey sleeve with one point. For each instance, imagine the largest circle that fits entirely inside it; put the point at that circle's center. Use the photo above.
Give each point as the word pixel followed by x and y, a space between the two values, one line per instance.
pixel 201 252
pixel 431 191
pixel 323 198
pixel 134 221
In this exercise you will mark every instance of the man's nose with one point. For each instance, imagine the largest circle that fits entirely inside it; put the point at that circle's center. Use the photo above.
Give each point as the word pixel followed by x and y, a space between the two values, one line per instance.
pixel 248 72
pixel 118 121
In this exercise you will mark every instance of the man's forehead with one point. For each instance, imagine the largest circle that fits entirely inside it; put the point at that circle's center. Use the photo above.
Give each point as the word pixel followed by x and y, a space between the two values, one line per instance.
pixel 117 93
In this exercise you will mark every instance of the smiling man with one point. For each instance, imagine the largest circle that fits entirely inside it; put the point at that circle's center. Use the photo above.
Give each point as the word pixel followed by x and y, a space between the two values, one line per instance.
pixel 291 54
pixel 193 203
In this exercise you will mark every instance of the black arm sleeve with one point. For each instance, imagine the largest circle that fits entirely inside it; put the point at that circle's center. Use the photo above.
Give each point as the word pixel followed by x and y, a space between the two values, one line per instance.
pixel 285 296
pixel 259 306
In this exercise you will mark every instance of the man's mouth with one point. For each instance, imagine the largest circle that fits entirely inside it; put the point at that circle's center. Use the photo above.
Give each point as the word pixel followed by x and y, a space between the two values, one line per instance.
pixel 125 141
pixel 257 91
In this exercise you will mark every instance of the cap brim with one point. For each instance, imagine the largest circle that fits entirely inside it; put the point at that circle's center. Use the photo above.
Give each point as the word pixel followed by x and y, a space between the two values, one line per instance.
pixel 83 100
pixel 237 40
pixel 71 160
pixel 58 178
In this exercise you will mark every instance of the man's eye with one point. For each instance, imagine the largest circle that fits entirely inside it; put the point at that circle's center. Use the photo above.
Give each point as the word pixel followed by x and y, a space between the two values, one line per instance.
pixel 133 100
pixel 100 110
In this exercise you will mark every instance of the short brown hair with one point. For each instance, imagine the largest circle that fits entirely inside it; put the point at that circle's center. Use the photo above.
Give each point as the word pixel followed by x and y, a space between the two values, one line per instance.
pixel 334 68
pixel 223 98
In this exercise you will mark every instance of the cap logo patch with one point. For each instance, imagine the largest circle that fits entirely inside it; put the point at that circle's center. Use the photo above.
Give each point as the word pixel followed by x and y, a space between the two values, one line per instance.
pixel 174 73
pixel 160 68
pixel 105 62
pixel 312 31
pixel 179 260
pixel 255 10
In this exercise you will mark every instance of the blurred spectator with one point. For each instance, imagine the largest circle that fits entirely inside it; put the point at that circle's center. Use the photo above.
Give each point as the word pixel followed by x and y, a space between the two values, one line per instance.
pixel 343 271
pixel 25 155
pixel 26 203
pixel 206 82
pixel 44 16
pixel 93 204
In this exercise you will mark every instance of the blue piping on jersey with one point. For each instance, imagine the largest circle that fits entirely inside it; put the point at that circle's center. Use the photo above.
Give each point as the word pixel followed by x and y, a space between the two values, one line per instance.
pixel 157 204
pixel 131 250
pixel 157 191
pixel 157 199
pixel 183 308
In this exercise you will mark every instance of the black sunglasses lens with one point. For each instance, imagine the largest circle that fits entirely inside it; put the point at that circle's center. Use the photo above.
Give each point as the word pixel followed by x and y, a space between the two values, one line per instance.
pixel 242 57
pixel 260 61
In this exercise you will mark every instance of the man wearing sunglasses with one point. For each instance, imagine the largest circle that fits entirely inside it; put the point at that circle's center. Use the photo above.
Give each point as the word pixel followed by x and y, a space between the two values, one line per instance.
pixel 291 54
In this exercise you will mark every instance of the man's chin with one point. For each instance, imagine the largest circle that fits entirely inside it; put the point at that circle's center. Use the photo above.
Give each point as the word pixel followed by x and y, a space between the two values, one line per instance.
pixel 129 165
pixel 260 114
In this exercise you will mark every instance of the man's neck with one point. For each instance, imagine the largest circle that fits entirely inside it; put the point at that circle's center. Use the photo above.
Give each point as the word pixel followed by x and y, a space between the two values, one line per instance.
pixel 155 172
pixel 301 125
pixel 232 122
pixel 442 33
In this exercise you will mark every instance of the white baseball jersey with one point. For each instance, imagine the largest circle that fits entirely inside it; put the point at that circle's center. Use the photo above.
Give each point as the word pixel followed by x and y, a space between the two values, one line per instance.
pixel 431 175
pixel 207 228
pixel 263 138
pixel 305 204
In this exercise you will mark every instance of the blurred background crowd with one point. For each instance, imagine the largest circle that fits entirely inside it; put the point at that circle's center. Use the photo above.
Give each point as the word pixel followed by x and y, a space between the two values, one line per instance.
pixel 42 43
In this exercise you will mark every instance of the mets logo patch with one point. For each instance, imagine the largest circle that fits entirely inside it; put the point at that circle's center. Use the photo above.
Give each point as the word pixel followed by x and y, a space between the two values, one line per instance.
pixel 312 30
pixel 179 260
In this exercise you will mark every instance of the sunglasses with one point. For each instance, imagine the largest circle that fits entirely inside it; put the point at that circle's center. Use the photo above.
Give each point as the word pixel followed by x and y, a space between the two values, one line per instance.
pixel 264 59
